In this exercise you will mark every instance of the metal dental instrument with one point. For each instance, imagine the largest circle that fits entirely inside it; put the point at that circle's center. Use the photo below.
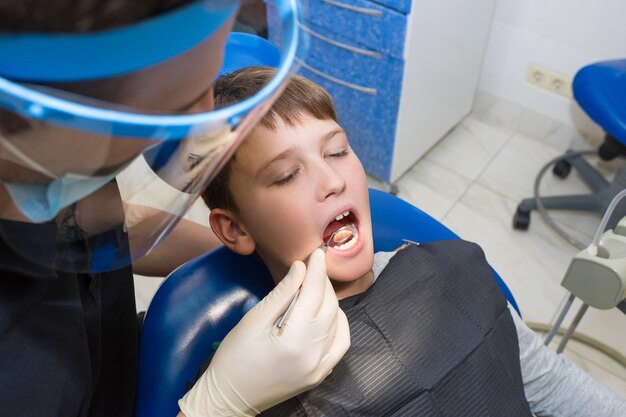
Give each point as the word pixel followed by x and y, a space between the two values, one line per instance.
pixel 345 233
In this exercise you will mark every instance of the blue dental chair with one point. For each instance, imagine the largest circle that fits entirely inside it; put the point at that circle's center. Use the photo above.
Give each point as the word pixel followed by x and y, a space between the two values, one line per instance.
pixel 600 90
pixel 198 304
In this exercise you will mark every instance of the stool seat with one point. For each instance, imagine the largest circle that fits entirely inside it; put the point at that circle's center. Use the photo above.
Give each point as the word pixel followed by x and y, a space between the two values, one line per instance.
pixel 600 89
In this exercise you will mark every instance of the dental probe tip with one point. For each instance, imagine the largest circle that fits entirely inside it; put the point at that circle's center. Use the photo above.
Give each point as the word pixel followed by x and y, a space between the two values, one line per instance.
pixel 283 318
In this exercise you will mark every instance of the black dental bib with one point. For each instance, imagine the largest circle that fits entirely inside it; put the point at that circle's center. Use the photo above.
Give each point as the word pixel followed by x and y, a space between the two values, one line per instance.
pixel 432 337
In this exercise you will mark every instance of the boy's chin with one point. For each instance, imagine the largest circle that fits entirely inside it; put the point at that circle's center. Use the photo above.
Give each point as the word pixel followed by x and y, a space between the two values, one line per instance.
pixel 345 271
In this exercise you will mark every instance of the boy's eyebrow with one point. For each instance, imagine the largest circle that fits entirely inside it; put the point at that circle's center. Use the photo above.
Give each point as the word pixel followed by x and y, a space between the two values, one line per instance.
pixel 284 154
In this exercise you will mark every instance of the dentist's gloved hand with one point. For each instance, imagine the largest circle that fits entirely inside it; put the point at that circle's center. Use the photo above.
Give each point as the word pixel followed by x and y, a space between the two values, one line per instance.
pixel 258 365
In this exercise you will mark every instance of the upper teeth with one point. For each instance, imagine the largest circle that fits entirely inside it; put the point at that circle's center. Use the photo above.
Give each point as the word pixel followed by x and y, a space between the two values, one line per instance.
pixel 342 215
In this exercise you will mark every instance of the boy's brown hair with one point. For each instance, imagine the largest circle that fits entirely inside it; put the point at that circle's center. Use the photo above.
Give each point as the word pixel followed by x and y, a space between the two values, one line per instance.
pixel 301 96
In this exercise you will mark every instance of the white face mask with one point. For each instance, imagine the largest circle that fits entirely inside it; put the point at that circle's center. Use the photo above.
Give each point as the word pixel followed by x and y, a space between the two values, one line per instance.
pixel 42 202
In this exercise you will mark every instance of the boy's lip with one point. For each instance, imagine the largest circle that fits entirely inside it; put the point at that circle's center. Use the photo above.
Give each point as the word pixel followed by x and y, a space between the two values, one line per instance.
pixel 352 210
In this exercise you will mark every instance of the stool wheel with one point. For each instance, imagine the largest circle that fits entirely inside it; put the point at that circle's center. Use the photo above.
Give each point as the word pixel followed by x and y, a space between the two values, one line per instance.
pixel 562 168
pixel 521 219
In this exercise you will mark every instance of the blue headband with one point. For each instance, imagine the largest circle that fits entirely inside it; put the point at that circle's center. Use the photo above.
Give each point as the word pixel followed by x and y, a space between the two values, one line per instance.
pixel 39 57
pixel 35 104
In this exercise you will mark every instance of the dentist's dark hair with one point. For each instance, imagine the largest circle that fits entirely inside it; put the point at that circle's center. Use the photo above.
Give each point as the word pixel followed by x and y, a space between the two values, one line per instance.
pixel 72 16
pixel 301 96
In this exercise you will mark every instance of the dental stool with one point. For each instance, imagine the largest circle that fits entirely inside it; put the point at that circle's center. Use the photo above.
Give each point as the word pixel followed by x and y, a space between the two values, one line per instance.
pixel 200 302
pixel 600 89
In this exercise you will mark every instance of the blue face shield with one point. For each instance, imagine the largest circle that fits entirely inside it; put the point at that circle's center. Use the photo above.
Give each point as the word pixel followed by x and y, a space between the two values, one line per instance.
pixel 77 109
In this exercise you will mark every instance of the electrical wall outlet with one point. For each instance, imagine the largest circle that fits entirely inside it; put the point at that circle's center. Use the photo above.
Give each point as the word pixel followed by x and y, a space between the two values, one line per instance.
pixel 549 80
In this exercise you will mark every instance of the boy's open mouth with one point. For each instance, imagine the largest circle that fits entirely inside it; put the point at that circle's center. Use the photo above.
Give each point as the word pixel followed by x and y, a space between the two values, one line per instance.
pixel 346 238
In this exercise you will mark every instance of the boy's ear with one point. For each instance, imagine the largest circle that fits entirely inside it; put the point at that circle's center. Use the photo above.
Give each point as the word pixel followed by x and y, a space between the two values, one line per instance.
pixel 227 227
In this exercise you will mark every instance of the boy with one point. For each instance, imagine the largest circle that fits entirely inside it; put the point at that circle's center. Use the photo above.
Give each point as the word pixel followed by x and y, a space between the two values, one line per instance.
pixel 431 333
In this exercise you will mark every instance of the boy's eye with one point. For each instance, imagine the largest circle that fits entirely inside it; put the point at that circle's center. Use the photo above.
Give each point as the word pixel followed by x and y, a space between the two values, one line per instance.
pixel 336 154
pixel 287 178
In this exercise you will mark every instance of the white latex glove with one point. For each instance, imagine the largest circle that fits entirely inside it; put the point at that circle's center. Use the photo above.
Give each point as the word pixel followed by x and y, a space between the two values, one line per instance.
pixel 257 365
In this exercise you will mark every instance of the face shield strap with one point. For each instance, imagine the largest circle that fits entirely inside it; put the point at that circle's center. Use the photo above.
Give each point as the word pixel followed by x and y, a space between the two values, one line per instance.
pixel 39 57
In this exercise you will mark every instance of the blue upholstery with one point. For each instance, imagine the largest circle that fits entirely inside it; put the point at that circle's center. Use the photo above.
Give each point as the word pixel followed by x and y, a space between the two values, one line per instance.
pixel 600 89
pixel 394 219
pixel 245 50
pixel 198 304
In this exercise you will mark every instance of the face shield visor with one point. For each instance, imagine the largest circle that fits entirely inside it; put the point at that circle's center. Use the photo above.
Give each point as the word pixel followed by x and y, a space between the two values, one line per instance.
pixel 77 110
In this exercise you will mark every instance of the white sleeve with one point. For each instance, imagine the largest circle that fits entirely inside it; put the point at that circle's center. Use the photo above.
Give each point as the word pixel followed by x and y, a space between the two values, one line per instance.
pixel 555 387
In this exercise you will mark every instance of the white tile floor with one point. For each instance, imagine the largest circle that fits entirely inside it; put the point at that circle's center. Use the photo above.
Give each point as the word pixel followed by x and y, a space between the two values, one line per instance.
pixel 473 180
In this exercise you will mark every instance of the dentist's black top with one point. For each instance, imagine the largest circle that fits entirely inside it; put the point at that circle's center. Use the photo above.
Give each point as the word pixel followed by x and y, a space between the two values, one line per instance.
pixel 68 341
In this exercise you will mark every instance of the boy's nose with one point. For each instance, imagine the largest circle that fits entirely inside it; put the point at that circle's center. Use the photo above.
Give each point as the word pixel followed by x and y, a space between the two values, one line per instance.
pixel 331 182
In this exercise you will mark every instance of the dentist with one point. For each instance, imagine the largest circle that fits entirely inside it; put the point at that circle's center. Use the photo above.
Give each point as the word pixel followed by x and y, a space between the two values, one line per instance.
pixel 86 88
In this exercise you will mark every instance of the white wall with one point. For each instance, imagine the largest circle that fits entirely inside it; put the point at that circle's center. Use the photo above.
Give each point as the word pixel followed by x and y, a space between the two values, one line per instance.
pixel 561 35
